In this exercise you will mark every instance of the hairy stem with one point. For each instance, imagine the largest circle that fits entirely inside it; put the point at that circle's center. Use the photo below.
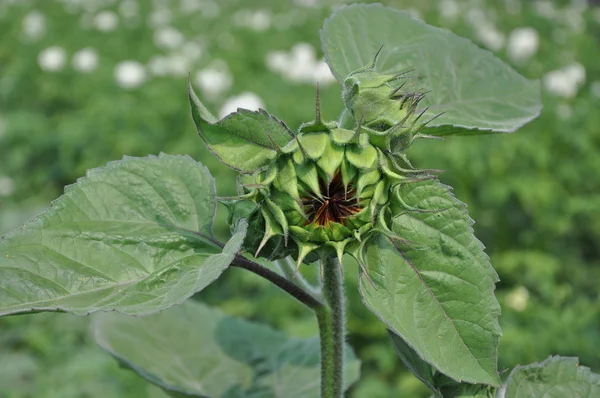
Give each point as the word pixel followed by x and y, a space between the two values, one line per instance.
pixel 295 291
pixel 304 293
pixel 288 268
pixel 331 331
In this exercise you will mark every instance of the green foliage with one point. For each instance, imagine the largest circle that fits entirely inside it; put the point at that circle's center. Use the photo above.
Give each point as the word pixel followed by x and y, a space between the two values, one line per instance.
pixel 433 285
pixel 432 261
pixel 43 353
pixel 421 369
pixel 244 140
pixel 556 377
pixel 470 391
pixel 208 354
pixel 471 87
pixel 533 194
pixel 132 236
pixel 441 385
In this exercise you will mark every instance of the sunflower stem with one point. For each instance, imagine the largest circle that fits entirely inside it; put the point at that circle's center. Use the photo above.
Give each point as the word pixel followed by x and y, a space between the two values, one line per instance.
pixel 287 267
pixel 332 331
pixel 294 290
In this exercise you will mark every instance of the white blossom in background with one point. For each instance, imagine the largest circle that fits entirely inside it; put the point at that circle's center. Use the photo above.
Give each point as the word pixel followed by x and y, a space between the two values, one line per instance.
pixel 210 9
pixel 595 88
pixel 306 3
pixel 52 59
pixel 190 6
pixel 158 65
pixel 487 33
pixel 573 17
pixel 214 79
pixel 565 82
pixel 259 20
pixel 300 65
pixel 545 9
pixel 160 17
pixel 449 10
pixel 277 61
pixel 303 52
pixel 518 298
pixel 178 64
pixel 415 13
pixel 490 37
pixel 570 16
pixel 193 50
pixel 129 8
pixel 168 38
pixel 130 74
pixel 301 62
pixel 522 44
pixel 245 100
pixel 94 5
pixel 106 21
pixel 85 60
pixel 322 74
pixel 7 186
pixel 34 25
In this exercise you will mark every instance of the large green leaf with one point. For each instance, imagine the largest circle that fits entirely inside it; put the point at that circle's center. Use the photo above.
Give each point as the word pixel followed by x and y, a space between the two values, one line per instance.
pixel 434 287
pixel 556 377
pixel 244 140
pixel 441 385
pixel 474 89
pixel 196 350
pixel 421 369
pixel 129 237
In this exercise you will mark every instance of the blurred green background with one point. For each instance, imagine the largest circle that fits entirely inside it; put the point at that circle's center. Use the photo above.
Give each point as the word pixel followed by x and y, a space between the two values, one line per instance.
pixel 83 82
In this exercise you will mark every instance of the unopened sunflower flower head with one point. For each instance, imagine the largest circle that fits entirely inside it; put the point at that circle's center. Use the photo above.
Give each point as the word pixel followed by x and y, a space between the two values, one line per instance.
pixel 330 187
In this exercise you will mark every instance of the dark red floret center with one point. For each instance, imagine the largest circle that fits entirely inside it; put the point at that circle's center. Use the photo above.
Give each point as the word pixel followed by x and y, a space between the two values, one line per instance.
pixel 337 202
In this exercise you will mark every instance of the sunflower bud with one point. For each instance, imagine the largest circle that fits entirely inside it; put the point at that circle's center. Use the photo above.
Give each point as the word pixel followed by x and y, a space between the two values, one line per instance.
pixel 322 191
pixel 384 105
pixel 323 194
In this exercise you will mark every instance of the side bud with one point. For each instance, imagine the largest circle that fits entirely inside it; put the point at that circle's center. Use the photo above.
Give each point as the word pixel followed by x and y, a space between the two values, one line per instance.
pixel 384 106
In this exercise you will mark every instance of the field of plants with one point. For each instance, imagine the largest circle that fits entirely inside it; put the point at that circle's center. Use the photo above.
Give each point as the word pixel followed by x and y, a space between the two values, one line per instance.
pixel 84 82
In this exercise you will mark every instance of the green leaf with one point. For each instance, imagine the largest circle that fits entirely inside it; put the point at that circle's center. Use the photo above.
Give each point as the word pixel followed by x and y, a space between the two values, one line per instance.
pixel 197 350
pixel 474 89
pixel 130 236
pixel 441 385
pixel 244 140
pixel 468 391
pixel 556 377
pixel 434 287
pixel 421 369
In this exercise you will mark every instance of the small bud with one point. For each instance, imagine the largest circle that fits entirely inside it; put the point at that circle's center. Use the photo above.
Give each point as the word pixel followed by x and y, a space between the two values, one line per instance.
pixel 383 105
